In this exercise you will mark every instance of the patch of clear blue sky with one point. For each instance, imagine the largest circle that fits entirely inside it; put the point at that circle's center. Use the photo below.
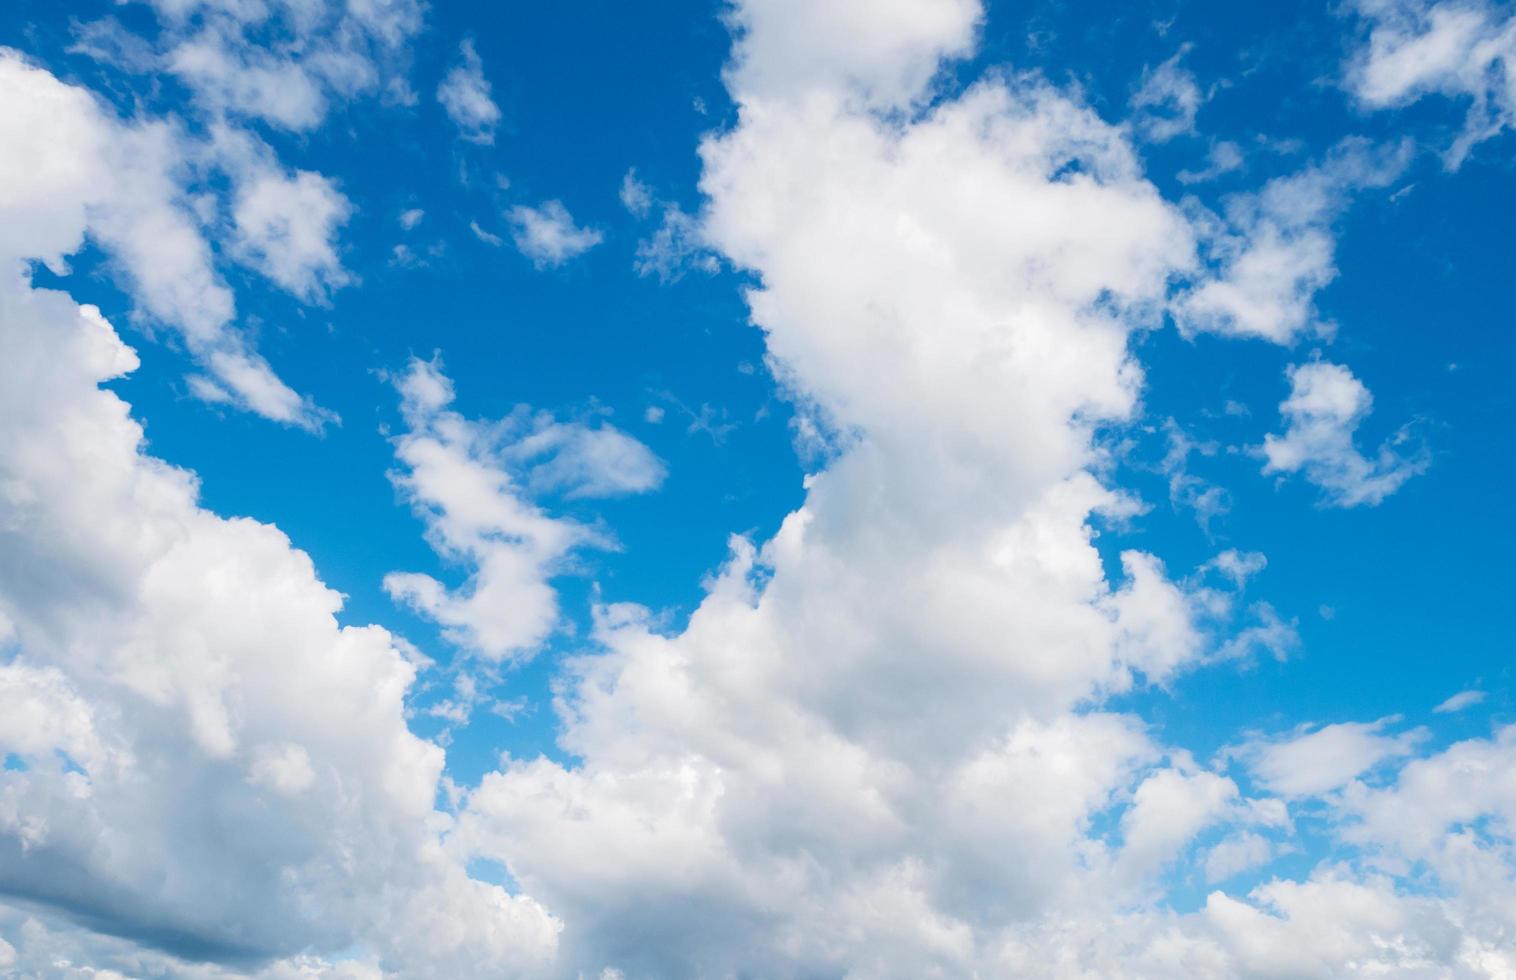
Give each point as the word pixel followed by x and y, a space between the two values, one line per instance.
pixel 1417 588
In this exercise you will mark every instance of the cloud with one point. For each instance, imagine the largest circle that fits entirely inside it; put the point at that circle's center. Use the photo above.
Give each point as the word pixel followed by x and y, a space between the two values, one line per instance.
pixel 492 240
pixel 1459 702
pixel 1275 249
pixel 1314 762
pixel 1322 414
pixel 635 196
pixel 285 224
pixel 548 236
pixel 287 64
pixel 1237 854
pixel 890 740
pixel 472 482
pixel 579 460
pixel 465 95
pixel 1165 104
pixel 73 170
pixel 788 48
pixel 767 791
pixel 676 245
pixel 213 768
pixel 1224 157
pixel 1464 51
pixel 475 513
pixel 1207 500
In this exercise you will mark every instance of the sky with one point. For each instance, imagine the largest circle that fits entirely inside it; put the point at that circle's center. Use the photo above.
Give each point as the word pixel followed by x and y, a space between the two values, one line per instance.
pixel 779 488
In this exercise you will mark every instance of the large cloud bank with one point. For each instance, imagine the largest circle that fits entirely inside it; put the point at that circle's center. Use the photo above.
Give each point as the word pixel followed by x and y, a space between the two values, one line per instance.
pixel 883 746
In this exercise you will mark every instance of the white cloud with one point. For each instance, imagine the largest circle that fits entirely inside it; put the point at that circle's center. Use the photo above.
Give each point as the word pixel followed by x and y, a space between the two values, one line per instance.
pixel 547 234
pixel 1322 414
pixel 1168 809
pixel 475 513
pixel 1223 157
pixel 1461 50
pixel 1319 761
pixel 1237 565
pixel 287 63
pixel 676 245
pixel 1267 633
pixel 635 196
pixel 1459 701
pixel 1275 250
pixel 285 226
pixel 470 481
pixel 1207 500
pixel 882 53
pixel 237 782
pixel 465 94
pixel 579 460
pixel 763 792
pixel 72 170
pixel 1237 854
pixel 774 788
pixel 1165 104
pixel 411 217
pixel 488 238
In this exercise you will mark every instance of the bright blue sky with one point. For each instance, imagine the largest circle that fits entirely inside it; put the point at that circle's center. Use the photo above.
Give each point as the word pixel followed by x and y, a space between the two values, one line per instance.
pixel 1396 604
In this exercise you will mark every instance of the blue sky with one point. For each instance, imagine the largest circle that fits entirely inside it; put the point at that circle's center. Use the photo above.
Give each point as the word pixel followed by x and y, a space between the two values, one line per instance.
pixel 838 489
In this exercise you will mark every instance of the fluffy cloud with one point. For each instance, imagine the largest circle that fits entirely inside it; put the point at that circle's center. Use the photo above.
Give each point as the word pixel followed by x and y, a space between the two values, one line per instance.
pixel 465 95
pixel 287 63
pixel 781 788
pixel 1313 762
pixel 211 766
pixel 283 224
pixel 1275 249
pixel 1462 50
pixel 789 48
pixel 73 170
pixel 1322 414
pixel 469 480
pixel 547 234
pixel 887 743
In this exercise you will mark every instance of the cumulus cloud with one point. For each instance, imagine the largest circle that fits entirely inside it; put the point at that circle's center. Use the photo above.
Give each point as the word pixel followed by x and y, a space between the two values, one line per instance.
pixel 548 235
pixel 1275 249
pixel 213 767
pixel 471 483
pixel 1322 415
pixel 888 741
pixel 789 48
pixel 1461 50
pixel 73 171
pixel 775 765
pixel 284 223
pixel 465 95
pixel 166 201
pixel 1313 762
pixel 287 64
